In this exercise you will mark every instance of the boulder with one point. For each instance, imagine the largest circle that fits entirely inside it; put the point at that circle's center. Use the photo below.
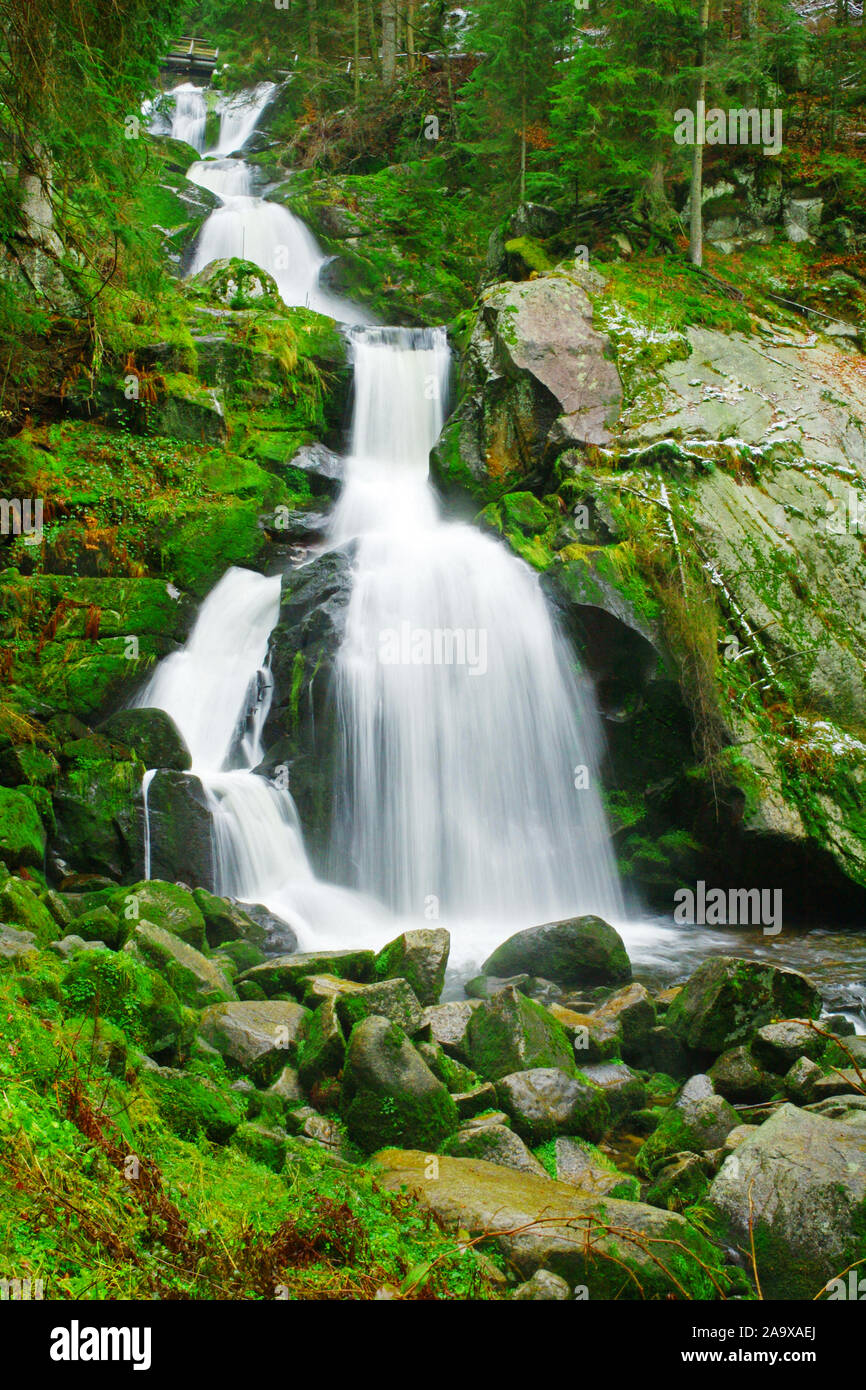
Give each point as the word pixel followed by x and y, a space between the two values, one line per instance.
pixel 15 944
pixel 151 734
pixel 392 999
pixel 181 829
pixel 290 972
pixel 739 1078
pixel 420 957
pixel 166 905
pixel 495 1144
pixel 633 1010
pixel 127 993
pixel 679 1182
pixel 509 1033
pixel 20 907
pixel 389 1094
pixel 617 1249
pixel 195 980
pixel 698 1121
pixel 22 837
pixel 257 1036
pixel 577 951
pixel 472 1103
pixel 582 1165
pixel 448 1025
pixel 542 1287
pixel 226 921
pixel 323 1050
pixel 544 1102
pixel 777 1046
pixel 624 1090
pixel 595 1039
pixel 806 1176
pixel 726 1000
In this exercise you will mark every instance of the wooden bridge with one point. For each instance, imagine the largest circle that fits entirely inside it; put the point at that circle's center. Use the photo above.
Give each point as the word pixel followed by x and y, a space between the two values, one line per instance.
pixel 191 55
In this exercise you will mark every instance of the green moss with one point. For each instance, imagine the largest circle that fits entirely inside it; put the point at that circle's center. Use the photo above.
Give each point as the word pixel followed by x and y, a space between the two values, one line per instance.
pixel 127 993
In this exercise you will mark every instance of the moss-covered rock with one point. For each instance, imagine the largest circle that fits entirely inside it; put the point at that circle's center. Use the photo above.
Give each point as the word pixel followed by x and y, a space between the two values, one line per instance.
pixel 129 994
pixel 20 907
pixel 322 1051
pixel 726 1000
pixel 419 957
pixel 196 980
pixel 256 1037
pixel 509 1033
pixel 192 1105
pixel 22 836
pixel 389 1095
pixel 392 999
pixel 151 734
pixel 166 905
pixel 580 950
pixel 544 1102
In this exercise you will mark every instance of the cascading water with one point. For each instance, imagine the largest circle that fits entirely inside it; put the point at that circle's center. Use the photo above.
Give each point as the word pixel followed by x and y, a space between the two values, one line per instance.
pixel 463 725
pixel 248 226
pixel 189 117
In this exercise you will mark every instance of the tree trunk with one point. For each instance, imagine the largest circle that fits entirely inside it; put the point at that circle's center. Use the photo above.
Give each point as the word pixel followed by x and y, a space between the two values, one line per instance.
pixel 356 47
pixel 313 27
pixel 523 148
pixel 389 42
pixel 696 221
pixel 410 34
pixel 374 42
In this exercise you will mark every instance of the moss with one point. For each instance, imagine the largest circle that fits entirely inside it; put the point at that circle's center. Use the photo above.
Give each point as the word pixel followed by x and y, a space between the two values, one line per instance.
pixel 20 907
pixel 127 993
pixel 192 1106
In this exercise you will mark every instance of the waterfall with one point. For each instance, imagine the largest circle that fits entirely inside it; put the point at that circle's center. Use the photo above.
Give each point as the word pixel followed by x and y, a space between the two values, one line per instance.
pixel 190 115
pixel 468 783
pixel 468 788
pixel 245 225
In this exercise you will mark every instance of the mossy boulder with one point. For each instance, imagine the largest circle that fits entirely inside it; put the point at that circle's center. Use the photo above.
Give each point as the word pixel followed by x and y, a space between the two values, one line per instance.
pixel 509 1033
pixel 290 972
pixel 537 1223
pixel 419 957
pixel 392 999
pixel 524 510
pixel 20 907
pixel 699 1120
pixel 97 812
pixel 581 1164
pixel 544 1102
pixel 448 1025
pixel 738 1077
pixel 799 1183
pixel 22 836
pixel 389 1094
pixel 226 921
pixel 196 980
pixel 257 1037
pixel 129 994
pixel 166 905
pixel 101 924
pixel 151 734
pixel 624 1091
pixel 323 1050
pixel 576 951
pixel 192 1105
pixel 726 1000
pixel 494 1144
pixel 181 828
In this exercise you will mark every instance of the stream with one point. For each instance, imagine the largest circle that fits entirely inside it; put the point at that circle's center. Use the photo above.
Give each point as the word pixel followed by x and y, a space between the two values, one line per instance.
pixel 463 719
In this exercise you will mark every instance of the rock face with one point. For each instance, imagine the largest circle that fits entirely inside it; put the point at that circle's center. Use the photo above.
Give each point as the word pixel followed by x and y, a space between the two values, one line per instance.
pixel 181 829
pixel 535 374
pixel 580 950
pixel 541 1224
pixel 301 731
pixel 22 838
pixel 389 1094
pixel 152 735
pixel 726 1000
pixel 807 1178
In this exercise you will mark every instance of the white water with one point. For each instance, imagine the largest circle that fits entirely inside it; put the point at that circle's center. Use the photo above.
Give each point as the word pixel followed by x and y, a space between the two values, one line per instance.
pixel 457 785
pixel 456 798
pixel 245 225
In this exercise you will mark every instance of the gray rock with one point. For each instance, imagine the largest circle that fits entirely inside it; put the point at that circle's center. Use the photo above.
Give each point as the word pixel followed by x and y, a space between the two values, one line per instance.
pixel 580 950
pixel 509 1033
pixel 544 1102
pixel 495 1144
pixel 448 1025
pixel 738 1077
pixel 580 1166
pixel 542 1287
pixel 778 1045
pixel 726 1000
pixel 389 1094
pixel 420 957
pixel 393 999
pixel 258 1036
pixel 15 944
pixel 195 980
pixel 625 1092
pixel 807 1178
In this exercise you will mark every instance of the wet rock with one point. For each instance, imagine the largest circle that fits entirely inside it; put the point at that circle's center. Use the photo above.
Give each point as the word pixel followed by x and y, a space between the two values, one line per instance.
pixel 624 1091
pixel 495 1144
pixel 389 1094
pixel 739 1078
pixel 699 1120
pixel 726 1000
pixel 544 1102
pixel 594 1039
pixel 258 1037
pixel 420 957
pixel 509 1033
pixel 806 1176
pixel 582 1165
pixel 633 1010
pixel 778 1045
pixel 166 905
pixel 800 1080
pixel 679 1182
pixel 152 735
pixel 471 1103
pixel 580 950
pixel 181 829
pixel 226 921
pixel 291 972
pixel 448 1025
pixel 22 837
pixel 323 1050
